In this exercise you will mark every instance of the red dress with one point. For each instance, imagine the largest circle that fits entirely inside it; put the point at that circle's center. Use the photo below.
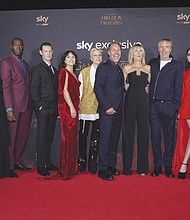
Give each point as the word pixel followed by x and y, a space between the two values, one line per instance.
pixel 68 165
pixel 182 128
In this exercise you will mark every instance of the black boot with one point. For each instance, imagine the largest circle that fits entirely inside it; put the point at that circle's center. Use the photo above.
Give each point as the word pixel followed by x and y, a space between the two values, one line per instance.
pixel 93 151
pixel 83 134
pixel 81 164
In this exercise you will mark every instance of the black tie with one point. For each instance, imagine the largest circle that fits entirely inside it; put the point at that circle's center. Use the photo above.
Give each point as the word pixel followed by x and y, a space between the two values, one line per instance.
pixel 52 69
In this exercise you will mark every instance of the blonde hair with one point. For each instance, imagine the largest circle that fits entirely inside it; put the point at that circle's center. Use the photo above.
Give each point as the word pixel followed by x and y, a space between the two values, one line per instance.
pixel 167 40
pixel 93 50
pixel 131 54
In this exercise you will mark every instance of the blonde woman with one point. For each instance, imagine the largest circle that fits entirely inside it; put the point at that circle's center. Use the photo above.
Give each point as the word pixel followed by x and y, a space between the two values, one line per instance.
pixel 137 77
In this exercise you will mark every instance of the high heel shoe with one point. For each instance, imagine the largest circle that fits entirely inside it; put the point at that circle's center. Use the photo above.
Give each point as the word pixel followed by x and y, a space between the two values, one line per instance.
pixel 182 175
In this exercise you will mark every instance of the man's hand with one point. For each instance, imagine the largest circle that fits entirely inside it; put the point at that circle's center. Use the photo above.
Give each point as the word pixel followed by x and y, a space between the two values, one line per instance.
pixel 11 116
pixel 110 111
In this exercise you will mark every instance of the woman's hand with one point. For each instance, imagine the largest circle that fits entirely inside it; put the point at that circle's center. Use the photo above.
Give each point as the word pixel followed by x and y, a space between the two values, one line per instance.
pixel 126 86
pixel 73 112
pixel 147 89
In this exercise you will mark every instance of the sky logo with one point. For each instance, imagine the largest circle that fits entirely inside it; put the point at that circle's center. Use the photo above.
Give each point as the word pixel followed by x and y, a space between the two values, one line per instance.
pixel 183 18
pixel 42 20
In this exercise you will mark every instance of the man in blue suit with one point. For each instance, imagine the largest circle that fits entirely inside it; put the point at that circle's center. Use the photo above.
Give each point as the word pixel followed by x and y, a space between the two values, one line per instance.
pixel 165 95
pixel 109 87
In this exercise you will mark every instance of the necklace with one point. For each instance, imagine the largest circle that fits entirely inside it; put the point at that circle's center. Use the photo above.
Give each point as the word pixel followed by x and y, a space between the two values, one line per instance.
pixel 138 68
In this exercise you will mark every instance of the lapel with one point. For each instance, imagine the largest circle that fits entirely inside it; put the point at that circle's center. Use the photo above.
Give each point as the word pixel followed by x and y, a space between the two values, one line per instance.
pixel 120 73
pixel 47 68
pixel 15 61
pixel 117 71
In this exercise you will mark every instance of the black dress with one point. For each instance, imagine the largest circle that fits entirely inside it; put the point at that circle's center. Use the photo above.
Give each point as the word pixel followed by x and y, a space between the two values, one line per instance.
pixel 4 138
pixel 136 113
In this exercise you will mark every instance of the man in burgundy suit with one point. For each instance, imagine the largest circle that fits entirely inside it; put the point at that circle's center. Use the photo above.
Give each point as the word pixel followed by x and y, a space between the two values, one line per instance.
pixel 18 104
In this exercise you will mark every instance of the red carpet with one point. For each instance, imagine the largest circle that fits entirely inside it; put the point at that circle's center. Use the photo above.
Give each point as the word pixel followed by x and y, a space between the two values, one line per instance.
pixel 87 197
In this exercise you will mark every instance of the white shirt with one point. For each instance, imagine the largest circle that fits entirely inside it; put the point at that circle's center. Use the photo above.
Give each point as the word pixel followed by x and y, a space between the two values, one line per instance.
pixel 90 117
pixel 164 62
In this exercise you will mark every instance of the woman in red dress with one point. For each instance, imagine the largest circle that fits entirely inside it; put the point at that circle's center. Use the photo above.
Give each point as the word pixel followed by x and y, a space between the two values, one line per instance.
pixel 182 151
pixel 68 102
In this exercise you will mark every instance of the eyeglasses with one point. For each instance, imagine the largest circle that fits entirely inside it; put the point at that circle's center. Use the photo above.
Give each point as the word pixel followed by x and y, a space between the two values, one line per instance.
pixel 188 55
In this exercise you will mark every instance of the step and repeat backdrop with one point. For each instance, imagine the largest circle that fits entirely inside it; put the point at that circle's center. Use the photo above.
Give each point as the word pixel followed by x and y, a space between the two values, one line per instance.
pixel 82 29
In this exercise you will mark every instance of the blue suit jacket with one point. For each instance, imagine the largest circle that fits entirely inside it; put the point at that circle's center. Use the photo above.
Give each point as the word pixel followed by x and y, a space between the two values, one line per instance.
pixel 166 84
pixel 109 86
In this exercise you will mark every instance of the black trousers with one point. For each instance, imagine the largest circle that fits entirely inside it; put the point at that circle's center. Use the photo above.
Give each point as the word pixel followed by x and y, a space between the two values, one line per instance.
pixel 162 115
pixel 135 115
pixel 46 127
pixel 84 126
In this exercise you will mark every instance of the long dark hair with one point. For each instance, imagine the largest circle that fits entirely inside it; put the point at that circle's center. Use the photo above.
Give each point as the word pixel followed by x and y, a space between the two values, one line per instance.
pixel 187 63
pixel 62 62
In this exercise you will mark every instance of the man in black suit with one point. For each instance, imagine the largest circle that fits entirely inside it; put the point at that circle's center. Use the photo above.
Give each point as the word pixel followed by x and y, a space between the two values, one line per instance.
pixel 44 95
pixel 109 87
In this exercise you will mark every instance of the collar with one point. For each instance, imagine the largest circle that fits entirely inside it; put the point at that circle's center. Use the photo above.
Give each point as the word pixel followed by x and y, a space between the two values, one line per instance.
pixel 114 64
pixel 47 63
pixel 17 57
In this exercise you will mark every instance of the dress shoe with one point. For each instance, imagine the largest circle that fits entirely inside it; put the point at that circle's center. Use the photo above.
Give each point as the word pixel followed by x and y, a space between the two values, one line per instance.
pixel 168 172
pixel 105 175
pixel 113 171
pixel 22 167
pixel 13 174
pixel 43 172
pixel 142 173
pixel 92 170
pixel 128 173
pixel 157 171
pixel 182 175
pixel 51 167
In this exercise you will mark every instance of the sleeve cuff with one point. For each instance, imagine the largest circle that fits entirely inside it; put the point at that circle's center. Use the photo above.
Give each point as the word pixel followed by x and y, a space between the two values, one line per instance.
pixel 9 109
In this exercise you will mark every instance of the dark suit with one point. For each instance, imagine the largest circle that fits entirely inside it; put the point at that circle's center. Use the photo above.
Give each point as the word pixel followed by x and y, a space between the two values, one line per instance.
pixel 109 91
pixel 16 96
pixel 44 95
pixel 165 95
